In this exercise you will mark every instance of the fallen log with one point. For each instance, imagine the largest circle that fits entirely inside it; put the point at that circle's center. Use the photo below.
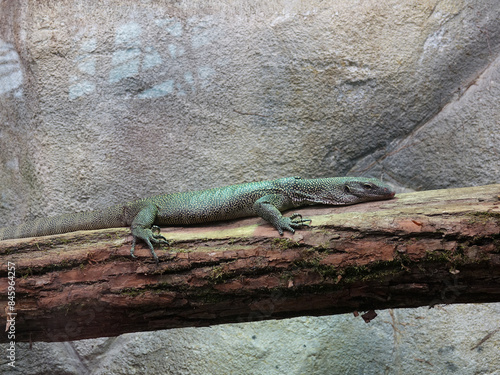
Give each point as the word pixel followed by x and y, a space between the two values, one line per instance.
pixel 423 248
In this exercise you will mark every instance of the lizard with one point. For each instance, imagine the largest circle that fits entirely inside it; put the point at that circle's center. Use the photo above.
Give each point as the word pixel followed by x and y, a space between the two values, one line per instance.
pixel 266 199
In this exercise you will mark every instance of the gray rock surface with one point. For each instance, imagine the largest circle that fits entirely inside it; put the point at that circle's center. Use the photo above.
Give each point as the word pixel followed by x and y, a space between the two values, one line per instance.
pixel 460 145
pixel 102 102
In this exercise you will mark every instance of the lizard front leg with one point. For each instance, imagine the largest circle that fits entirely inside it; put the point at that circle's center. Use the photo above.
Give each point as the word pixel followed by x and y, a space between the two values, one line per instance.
pixel 142 227
pixel 268 207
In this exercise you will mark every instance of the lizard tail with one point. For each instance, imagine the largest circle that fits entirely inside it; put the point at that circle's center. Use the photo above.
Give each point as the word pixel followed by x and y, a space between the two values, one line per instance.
pixel 65 223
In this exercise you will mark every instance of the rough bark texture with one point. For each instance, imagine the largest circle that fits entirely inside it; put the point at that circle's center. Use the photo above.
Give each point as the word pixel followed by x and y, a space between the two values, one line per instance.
pixel 424 248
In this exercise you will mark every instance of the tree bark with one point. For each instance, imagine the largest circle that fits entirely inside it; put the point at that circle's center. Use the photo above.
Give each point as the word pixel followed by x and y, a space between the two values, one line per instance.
pixel 423 248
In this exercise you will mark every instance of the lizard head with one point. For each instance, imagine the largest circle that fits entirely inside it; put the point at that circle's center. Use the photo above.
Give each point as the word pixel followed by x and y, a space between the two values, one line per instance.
pixel 362 189
pixel 343 190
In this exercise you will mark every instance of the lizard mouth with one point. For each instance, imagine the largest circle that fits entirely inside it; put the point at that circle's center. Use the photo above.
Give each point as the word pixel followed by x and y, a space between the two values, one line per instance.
pixel 375 196
pixel 387 193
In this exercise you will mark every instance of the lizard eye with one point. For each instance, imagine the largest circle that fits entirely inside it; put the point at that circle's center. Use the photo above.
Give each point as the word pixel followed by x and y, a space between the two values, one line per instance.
pixel 347 189
pixel 367 186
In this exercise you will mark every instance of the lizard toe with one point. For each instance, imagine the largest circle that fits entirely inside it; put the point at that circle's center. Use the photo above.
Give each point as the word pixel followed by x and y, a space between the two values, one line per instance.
pixel 159 239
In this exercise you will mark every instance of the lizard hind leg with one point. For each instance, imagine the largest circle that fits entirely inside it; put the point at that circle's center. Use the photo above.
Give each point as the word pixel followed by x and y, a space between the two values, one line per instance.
pixel 142 227
pixel 149 236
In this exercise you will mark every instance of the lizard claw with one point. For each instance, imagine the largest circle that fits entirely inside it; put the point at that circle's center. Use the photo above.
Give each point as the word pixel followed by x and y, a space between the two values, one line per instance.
pixel 289 223
pixel 132 249
pixel 301 222
pixel 149 236
pixel 157 237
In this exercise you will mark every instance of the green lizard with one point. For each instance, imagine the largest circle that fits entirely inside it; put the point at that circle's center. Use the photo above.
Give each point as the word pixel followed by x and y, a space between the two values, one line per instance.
pixel 265 199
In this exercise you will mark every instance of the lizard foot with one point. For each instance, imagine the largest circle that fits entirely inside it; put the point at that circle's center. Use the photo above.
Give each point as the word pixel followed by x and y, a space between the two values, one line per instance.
pixel 150 236
pixel 289 223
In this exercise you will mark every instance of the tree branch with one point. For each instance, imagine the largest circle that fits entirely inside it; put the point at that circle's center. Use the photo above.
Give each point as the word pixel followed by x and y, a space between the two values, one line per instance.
pixel 424 248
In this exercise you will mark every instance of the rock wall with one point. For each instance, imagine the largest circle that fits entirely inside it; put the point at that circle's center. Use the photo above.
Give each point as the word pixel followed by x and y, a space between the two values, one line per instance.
pixel 102 102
